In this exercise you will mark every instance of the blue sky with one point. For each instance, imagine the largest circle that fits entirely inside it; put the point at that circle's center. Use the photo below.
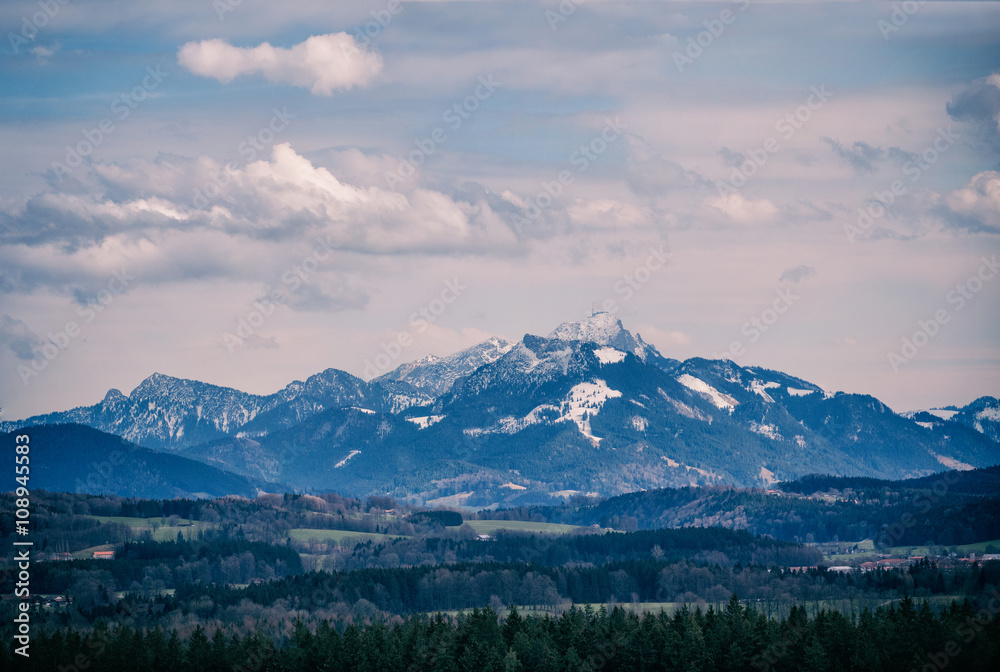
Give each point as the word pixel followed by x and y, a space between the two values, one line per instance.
pixel 334 114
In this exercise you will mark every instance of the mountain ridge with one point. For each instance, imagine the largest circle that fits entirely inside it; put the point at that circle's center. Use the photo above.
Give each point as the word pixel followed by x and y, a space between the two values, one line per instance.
pixel 591 408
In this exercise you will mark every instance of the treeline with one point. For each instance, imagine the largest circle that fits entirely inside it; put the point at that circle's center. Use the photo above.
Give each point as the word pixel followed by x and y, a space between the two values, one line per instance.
pixel 898 516
pixel 464 586
pixel 715 545
pixel 66 522
pixel 984 481
pixel 155 566
pixel 894 639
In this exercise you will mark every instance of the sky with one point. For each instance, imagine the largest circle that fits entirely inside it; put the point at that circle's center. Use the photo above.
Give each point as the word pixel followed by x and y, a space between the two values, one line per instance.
pixel 247 192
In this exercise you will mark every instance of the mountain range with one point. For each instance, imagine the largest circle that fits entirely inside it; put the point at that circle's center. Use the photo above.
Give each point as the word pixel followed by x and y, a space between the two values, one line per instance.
pixel 590 408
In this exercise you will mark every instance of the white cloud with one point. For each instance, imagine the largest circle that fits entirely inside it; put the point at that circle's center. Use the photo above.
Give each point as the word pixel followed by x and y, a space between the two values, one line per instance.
pixel 743 209
pixel 663 339
pixel 322 63
pixel 977 205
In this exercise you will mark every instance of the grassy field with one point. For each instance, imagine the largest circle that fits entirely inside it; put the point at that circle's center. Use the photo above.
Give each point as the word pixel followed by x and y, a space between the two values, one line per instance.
pixel 305 534
pixel 870 552
pixel 163 532
pixel 491 526
pixel 980 547
pixel 962 550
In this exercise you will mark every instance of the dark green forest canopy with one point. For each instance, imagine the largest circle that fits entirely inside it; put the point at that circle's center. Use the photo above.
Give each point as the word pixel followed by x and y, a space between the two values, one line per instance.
pixel 732 638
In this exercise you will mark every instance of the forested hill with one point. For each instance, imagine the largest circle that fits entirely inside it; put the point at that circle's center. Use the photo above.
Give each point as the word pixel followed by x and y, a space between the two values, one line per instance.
pixel 953 508
pixel 984 481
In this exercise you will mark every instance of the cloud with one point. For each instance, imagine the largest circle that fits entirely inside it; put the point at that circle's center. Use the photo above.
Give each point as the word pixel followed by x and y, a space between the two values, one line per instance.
pixel 743 209
pixel 860 156
pixel 648 173
pixel 44 53
pixel 323 63
pixel 19 338
pixel 731 159
pixel 663 339
pixel 282 198
pixel 326 296
pixel 797 274
pixel 978 105
pixel 976 206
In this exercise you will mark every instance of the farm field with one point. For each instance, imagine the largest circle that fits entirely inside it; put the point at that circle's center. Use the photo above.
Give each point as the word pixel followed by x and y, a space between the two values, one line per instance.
pixel 161 531
pixel 305 534
pixel 491 526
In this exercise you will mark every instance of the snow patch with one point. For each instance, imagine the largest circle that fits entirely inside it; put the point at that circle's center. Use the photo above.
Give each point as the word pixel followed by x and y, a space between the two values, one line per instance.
pixel 513 486
pixel 684 409
pixel 800 441
pixel 952 463
pixel 344 461
pixel 425 421
pixel 584 401
pixel 639 423
pixel 720 400
pixel 770 431
pixel 942 413
pixel 767 475
pixel 992 413
pixel 926 425
pixel 363 410
pixel 609 355
pixel 760 387
pixel 796 392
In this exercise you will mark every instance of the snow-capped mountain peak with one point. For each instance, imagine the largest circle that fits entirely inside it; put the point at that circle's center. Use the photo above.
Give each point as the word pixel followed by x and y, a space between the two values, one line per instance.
pixel 604 329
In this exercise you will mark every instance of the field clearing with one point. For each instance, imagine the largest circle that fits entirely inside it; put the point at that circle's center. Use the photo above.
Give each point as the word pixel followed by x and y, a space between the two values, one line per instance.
pixel 491 526
pixel 306 534
pixel 980 547
pixel 906 551
pixel 162 531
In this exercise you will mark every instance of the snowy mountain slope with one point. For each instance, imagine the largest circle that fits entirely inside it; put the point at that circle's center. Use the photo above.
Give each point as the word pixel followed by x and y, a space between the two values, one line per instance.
pixel 983 415
pixel 604 329
pixel 550 415
pixel 168 413
pixel 435 375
